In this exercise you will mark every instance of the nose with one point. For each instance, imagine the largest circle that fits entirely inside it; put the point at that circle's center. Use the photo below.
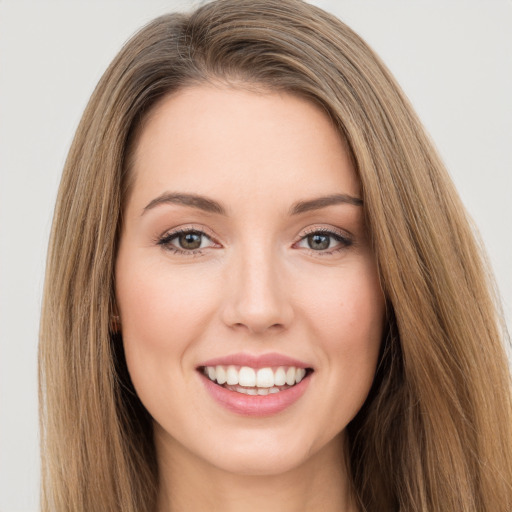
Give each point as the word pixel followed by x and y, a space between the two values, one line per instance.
pixel 256 295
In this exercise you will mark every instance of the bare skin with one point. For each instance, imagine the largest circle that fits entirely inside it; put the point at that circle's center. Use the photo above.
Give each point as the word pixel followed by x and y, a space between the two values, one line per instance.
pixel 192 485
pixel 278 268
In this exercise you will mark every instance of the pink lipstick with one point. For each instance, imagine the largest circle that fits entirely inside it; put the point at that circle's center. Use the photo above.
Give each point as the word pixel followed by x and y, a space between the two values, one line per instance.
pixel 255 385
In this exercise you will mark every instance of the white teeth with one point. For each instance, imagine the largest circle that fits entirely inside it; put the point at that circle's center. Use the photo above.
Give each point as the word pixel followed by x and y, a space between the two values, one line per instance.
pixel 290 376
pixel 221 374
pixel 280 377
pixel 256 391
pixel 266 379
pixel 232 376
pixel 247 377
pixel 299 375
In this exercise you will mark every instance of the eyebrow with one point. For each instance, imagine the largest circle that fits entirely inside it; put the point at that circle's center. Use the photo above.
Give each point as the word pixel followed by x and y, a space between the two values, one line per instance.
pixel 323 202
pixel 192 200
pixel 211 206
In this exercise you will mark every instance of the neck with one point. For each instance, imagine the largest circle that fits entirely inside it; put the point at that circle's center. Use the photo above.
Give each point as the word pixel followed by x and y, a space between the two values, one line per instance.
pixel 193 484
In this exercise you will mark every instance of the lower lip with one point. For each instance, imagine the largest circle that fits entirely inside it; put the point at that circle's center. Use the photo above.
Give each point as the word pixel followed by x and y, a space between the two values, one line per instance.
pixel 256 405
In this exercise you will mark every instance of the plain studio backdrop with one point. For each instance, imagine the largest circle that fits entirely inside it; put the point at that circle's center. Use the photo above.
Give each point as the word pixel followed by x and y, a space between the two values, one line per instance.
pixel 452 58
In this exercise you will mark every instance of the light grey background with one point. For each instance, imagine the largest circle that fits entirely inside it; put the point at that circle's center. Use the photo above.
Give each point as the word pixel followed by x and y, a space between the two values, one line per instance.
pixel 453 59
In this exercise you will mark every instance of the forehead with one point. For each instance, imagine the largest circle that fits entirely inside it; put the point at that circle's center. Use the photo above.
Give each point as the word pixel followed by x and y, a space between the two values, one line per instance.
pixel 226 141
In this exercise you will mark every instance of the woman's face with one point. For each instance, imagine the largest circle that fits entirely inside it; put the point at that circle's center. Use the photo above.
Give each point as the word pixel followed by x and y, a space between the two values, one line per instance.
pixel 243 255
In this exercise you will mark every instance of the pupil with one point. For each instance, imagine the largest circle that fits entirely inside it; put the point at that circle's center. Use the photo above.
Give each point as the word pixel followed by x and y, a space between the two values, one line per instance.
pixel 190 240
pixel 318 242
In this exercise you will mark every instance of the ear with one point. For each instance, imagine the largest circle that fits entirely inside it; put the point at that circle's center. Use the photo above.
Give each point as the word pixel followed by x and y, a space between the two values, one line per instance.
pixel 115 321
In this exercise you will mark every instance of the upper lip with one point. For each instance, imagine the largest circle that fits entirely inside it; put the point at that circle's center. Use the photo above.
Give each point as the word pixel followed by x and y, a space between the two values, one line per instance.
pixel 255 361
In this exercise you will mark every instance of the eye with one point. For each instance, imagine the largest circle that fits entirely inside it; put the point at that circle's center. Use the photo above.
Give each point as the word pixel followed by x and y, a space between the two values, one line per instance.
pixel 186 241
pixel 325 241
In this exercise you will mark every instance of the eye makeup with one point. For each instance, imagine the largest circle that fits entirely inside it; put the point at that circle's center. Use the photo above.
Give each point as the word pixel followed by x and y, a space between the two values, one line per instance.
pixel 192 241
pixel 325 242
pixel 186 241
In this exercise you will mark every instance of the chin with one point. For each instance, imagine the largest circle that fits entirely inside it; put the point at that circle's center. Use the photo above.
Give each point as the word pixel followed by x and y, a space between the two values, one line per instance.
pixel 271 457
pixel 261 462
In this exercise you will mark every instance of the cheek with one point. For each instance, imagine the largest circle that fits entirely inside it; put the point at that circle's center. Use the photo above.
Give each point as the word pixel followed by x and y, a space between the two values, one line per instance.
pixel 347 321
pixel 159 307
pixel 349 307
pixel 163 312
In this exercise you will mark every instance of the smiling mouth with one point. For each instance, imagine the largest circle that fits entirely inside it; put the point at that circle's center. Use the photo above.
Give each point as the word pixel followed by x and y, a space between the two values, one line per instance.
pixel 252 381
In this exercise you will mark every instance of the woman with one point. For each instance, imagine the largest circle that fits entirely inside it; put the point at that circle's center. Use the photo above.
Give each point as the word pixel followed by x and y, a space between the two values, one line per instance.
pixel 250 207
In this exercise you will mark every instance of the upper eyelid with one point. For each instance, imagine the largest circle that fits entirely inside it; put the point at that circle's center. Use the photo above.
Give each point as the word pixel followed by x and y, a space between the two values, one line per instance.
pixel 326 230
pixel 205 231
pixel 342 238
pixel 187 228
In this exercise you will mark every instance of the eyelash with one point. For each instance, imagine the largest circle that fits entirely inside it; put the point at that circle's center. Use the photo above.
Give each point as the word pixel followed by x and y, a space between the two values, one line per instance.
pixel 167 238
pixel 344 241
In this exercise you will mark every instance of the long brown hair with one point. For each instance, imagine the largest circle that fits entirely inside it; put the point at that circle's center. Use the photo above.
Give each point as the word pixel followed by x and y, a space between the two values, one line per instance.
pixel 435 433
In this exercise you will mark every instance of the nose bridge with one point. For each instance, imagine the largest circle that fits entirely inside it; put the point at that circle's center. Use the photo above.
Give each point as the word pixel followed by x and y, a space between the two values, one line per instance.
pixel 256 293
